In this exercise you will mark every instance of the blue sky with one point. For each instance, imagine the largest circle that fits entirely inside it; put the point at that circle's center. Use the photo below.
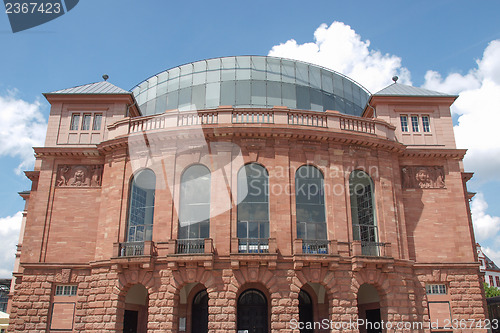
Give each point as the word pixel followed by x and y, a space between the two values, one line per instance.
pixel 441 45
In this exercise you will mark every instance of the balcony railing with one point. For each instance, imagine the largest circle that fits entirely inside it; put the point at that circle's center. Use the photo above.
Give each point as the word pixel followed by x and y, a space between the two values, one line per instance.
pixel 332 120
pixel 253 245
pixel 185 246
pixel 131 249
pixel 314 246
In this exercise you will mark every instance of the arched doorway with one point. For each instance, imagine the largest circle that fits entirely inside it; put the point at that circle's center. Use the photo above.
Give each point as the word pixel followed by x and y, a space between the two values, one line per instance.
pixel 369 309
pixel 306 311
pixel 135 318
pixel 252 312
pixel 199 313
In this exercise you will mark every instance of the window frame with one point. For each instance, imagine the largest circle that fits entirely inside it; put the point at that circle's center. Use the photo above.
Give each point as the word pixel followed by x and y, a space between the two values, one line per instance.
pixel 75 126
pixel 415 123
pixel 426 123
pixel 404 123
pixel 436 289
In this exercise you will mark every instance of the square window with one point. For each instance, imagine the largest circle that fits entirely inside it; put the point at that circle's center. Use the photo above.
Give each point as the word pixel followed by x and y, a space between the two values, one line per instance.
pixel 414 124
pixel 426 125
pixel 86 122
pixel 96 126
pixel 404 123
pixel 75 122
pixel 436 289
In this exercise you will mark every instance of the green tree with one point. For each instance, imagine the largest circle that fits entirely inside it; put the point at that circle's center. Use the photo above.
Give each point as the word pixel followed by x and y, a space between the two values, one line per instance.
pixel 491 291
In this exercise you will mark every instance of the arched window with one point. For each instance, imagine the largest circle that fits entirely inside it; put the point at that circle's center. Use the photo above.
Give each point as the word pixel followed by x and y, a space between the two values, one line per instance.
pixel 310 209
pixel 252 312
pixel 363 212
pixel 141 206
pixel 253 209
pixel 194 212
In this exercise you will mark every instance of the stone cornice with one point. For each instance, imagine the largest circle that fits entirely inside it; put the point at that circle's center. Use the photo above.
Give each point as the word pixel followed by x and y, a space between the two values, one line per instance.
pixel 62 151
pixel 430 152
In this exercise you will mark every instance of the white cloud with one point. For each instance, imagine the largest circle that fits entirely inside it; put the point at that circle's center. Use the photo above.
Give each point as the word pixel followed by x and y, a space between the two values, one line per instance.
pixel 485 226
pixel 478 108
pixel 9 237
pixel 22 126
pixel 340 48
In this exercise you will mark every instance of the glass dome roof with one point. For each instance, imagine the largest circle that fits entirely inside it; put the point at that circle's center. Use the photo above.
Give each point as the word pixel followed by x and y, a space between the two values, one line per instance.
pixel 250 81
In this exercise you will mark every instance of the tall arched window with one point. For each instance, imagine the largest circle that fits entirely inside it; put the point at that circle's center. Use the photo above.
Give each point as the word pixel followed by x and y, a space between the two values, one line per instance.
pixel 310 209
pixel 252 312
pixel 253 209
pixel 141 206
pixel 363 212
pixel 194 212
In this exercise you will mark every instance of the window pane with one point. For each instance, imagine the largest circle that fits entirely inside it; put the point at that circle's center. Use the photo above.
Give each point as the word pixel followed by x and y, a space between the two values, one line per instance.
pixel 75 121
pixel 253 199
pixel 97 122
pixel 259 93
pixel 86 122
pixel 404 123
pixel 426 124
pixel 414 124
pixel 213 95
pixel 228 92
pixel 195 201
pixel 198 97
pixel 310 205
pixel 141 209
pixel 273 93
pixel 243 93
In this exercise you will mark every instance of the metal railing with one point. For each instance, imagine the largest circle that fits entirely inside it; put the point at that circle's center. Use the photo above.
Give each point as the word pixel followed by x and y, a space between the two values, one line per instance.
pixel 253 245
pixel 190 246
pixel 371 248
pixel 314 246
pixel 131 249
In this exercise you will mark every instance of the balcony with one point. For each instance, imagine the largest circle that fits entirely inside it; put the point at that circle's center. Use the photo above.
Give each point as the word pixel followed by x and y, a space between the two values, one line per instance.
pixel 131 249
pixel 332 121
pixel 190 246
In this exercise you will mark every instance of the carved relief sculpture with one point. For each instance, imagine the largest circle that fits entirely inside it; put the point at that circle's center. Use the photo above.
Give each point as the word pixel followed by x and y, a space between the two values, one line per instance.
pixel 79 176
pixel 423 177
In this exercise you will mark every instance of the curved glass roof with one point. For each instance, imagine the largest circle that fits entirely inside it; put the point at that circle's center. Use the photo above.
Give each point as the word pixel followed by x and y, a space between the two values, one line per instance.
pixel 250 81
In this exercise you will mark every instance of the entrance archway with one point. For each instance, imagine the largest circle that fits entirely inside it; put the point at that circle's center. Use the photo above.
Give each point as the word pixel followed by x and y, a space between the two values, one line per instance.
pixel 252 312
pixel 135 318
pixel 369 309
pixel 199 313
pixel 306 314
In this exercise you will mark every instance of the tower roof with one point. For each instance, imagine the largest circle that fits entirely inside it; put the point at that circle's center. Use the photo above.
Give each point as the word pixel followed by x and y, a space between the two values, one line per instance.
pixel 102 87
pixel 398 89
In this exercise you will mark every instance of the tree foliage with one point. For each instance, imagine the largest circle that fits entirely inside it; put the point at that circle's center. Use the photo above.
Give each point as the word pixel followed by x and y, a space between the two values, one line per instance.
pixel 491 291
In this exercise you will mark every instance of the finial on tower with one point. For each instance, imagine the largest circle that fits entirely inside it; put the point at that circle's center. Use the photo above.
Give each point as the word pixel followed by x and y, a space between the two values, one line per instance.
pixel 395 78
pixel 105 77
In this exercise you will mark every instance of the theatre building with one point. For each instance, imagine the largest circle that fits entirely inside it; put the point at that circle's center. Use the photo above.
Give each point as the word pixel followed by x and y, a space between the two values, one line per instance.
pixel 246 194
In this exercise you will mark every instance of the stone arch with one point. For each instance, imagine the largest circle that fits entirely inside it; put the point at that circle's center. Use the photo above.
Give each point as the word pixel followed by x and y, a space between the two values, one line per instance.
pixel 257 289
pixel 195 278
pixel 327 279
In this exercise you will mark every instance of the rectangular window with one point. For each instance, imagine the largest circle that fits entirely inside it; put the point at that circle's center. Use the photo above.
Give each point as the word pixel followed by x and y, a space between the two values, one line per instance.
pixel 436 289
pixel 97 122
pixel 491 281
pixel 414 124
pixel 86 122
pixel 66 290
pixel 426 125
pixel 75 121
pixel 404 123
pixel 497 279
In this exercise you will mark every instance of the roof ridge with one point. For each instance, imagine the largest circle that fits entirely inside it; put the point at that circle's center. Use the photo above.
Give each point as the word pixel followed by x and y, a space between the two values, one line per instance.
pixel 99 87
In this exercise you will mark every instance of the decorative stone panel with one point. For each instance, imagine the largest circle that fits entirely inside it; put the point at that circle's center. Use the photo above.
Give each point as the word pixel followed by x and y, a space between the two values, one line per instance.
pixel 79 176
pixel 423 177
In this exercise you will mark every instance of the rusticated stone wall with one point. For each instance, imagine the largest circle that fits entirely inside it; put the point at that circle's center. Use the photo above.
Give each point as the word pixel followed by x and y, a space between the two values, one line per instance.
pixel 100 300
